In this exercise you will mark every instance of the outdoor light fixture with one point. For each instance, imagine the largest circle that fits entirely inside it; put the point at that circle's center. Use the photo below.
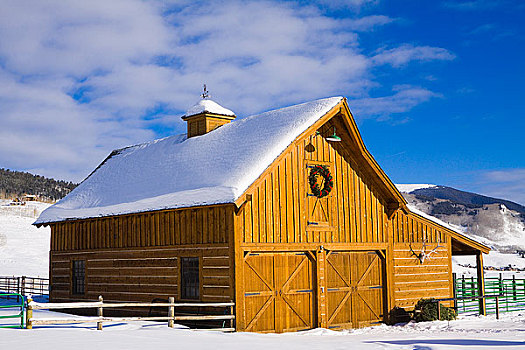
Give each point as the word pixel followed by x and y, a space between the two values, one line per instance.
pixel 332 138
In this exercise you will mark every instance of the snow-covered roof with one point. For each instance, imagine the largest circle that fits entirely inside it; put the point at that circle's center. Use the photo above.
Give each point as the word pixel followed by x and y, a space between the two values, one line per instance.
pixel 207 105
pixel 459 232
pixel 457 229
pixel 177 172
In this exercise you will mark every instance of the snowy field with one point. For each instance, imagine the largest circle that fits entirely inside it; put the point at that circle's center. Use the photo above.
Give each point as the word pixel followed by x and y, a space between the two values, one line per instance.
pixel 470 332
pixel 24 251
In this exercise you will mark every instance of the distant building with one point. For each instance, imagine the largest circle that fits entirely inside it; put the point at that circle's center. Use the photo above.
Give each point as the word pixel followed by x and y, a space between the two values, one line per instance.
pixel 286 213
pixel 29 198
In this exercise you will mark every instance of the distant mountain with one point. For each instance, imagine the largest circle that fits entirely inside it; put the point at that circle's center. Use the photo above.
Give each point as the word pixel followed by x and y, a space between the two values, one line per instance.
pixel 466 198
pixel 496 222
pixel 17 183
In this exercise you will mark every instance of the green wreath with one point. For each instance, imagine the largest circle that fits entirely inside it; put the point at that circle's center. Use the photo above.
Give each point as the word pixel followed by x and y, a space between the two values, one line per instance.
pixel 320 170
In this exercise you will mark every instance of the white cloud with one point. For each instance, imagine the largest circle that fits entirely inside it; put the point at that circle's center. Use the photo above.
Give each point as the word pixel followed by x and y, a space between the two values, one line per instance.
pixel 506 184
pixel 369 22
pixel 403 99
pixel 400 56
pixel 354 5
pixel 472 5
pixel 78 79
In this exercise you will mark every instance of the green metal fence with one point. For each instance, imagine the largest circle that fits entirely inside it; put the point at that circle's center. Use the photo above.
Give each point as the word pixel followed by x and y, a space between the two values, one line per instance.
pixel 510 292
pixel 11 309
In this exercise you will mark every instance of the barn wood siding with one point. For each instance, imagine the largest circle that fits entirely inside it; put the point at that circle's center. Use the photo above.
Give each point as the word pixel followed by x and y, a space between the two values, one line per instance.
pixel 136 257
pixel 202 225
pixel 143 274
pixel 413 280
pixel 278 209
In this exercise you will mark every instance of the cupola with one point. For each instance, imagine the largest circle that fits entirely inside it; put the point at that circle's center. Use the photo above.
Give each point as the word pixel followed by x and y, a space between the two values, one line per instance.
pixel 206 115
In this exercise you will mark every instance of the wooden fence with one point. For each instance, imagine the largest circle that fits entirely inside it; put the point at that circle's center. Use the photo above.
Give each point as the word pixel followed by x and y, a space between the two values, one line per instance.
pixel 24 285
pixel 100 318
pixel 510 293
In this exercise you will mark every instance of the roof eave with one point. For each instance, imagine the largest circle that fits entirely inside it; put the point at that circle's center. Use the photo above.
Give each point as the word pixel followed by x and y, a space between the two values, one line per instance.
pixel 456 235
pixel 388 184
pixel 208 114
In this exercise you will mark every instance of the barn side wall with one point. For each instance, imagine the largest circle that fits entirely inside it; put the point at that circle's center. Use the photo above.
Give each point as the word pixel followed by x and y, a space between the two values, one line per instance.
pixel 137 257
pixel 413 279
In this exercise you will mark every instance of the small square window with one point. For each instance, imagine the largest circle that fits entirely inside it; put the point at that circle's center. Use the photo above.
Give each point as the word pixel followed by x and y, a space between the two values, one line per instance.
pixel 189 282
pixel 78 277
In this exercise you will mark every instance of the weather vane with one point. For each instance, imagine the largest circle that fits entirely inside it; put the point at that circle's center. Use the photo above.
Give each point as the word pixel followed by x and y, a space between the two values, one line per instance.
pixel 205 93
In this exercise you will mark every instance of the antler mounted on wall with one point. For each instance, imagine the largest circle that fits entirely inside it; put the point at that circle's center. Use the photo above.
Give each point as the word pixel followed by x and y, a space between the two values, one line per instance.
pixel 423 254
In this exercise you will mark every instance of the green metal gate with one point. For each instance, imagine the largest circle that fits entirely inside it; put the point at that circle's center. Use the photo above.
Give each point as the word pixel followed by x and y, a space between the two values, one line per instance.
pixel 12 310
pixel 510 291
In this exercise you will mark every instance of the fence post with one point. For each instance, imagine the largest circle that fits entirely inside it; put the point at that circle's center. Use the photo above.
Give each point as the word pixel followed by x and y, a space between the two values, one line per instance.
pixel 497 308
pixel 481 283
pixel 232 312
pixel 514 287
pixel 463 290
pixel 100 312
pixel 17 289
pixel 23 285
pixel 455 291
pixel 29 314
pixel 171 312
pixel 439 310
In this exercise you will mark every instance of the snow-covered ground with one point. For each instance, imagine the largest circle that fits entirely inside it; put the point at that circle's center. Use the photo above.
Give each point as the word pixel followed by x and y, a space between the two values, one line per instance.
pixel 468 332
pixel 24 249
pixel 493 259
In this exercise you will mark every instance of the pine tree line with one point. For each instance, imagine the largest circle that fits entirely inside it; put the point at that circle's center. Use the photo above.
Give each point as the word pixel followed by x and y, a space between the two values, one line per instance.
pixel 17 183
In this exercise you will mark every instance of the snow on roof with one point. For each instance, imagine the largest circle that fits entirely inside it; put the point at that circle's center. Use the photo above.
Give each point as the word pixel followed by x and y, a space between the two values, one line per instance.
pixel 457 229
pixel 460 230
pixel 207 105
pixel 176 172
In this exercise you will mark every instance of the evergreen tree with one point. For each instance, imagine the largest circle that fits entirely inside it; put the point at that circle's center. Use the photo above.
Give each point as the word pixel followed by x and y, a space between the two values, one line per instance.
pixel 17 183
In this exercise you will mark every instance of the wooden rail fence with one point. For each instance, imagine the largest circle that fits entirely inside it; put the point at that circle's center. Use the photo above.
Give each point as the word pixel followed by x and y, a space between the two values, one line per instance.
pixel 24 285
pixel 100 318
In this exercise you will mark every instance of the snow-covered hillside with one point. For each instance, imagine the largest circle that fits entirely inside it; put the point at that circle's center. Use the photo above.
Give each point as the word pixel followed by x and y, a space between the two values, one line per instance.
pixel 24 249
pixel 484 219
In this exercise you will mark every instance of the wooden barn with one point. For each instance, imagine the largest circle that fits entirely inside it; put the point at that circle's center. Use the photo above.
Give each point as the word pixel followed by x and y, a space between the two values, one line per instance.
pixel 286 213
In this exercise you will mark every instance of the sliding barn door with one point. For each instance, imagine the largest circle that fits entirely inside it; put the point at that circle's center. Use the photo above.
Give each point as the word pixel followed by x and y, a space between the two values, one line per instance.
pixel 354 289
pixel 279 292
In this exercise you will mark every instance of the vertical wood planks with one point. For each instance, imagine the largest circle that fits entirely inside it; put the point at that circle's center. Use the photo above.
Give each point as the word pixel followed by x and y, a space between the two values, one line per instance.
pixel 206 225
pixel 279 207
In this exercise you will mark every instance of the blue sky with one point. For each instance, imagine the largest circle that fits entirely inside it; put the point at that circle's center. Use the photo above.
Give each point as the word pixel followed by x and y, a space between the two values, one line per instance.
pixel 436 86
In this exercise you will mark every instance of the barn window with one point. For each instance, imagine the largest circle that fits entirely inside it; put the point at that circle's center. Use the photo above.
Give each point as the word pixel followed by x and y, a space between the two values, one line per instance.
pixel 189 284
pixel 78 277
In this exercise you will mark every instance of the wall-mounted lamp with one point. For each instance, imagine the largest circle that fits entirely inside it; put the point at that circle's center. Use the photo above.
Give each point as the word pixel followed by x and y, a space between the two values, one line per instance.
pixel 332 138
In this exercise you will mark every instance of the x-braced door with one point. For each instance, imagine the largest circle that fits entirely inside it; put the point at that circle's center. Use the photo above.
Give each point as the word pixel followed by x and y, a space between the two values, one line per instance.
pixel 354 289
pixel 279 293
